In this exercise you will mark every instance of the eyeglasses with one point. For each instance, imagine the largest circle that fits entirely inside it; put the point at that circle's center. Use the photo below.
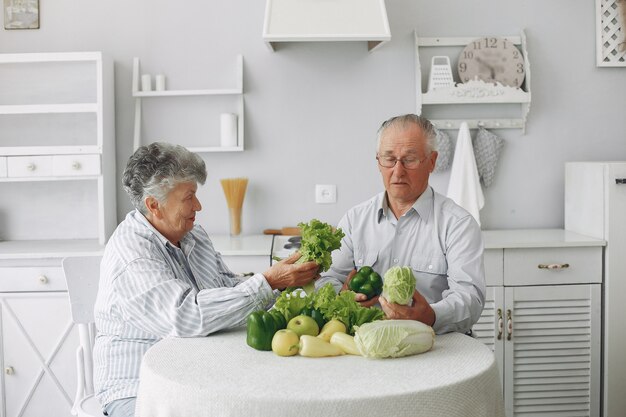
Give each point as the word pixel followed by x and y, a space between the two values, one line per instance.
pixel 407 163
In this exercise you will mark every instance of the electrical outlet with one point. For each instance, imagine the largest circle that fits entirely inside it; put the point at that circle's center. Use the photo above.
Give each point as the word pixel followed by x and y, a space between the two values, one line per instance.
pixel 325 193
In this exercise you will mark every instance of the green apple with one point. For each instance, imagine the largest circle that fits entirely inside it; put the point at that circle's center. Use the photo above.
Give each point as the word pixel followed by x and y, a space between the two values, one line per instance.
pixel 304 325
pixel 285 342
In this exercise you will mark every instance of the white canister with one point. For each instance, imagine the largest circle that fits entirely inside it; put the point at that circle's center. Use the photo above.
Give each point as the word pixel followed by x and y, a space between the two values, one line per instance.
pixel 228 130
pixel 146 82
pixel 159 82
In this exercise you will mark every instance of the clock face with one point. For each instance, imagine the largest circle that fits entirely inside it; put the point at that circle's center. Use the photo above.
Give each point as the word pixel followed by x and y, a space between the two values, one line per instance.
pixel 492 60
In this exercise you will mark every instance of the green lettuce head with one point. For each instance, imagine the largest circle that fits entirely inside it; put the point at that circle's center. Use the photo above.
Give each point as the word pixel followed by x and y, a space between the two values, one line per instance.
pixel 399 285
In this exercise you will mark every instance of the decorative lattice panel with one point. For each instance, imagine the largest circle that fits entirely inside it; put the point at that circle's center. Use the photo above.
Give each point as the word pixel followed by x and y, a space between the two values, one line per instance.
pixel 611 33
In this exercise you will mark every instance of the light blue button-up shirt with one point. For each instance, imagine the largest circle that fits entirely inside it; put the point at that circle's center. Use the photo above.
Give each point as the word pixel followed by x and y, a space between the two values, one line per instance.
pixel 439 240
pixel 150 289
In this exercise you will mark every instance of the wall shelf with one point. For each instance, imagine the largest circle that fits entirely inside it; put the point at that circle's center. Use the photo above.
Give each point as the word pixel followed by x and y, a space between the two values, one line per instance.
pixel 473 92
pixel 40 144
pixel 236 91
pixel 49 108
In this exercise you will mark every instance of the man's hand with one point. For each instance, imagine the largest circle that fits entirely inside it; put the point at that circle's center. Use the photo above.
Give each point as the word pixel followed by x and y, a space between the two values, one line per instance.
pixel 285 274
pixel 358 297
pixel 420 310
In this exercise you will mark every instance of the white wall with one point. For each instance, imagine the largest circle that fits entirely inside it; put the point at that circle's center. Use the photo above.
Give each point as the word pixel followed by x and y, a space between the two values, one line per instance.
pixel 312 110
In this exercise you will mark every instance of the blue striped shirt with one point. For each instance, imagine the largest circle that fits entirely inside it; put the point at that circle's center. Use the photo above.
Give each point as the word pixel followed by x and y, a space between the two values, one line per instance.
pixel 150 289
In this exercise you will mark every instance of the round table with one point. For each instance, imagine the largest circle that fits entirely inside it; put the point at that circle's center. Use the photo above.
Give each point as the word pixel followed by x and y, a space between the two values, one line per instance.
pixel 220 375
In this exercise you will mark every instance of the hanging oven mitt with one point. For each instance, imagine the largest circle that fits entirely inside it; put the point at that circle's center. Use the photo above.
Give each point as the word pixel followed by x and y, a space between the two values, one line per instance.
pixel 487 148
pixel 445 151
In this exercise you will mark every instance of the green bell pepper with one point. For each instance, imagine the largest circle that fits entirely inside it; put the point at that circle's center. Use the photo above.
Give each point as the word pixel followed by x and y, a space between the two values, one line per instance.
pixel 366 281
pixel 261 326
pixel 279 319
pixel 315 314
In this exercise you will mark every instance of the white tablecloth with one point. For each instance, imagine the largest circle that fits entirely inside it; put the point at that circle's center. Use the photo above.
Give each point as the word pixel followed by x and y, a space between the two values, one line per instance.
pixel 221 375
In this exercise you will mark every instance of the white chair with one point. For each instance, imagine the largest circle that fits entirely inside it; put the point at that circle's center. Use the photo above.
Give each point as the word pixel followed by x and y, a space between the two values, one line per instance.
pixel 82 274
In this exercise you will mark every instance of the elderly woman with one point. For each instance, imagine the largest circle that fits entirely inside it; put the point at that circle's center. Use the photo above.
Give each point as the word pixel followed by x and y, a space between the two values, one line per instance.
pixel 161 275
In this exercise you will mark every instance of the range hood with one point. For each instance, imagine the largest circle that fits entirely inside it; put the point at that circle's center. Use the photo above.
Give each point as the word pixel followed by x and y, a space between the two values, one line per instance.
pixel 326 20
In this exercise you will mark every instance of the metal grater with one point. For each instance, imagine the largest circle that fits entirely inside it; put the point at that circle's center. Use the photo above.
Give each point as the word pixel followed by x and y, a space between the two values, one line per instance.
pixel 440 73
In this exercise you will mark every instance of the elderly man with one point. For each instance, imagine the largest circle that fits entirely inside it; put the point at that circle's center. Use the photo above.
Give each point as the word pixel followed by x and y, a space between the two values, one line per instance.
pixel 411 225
pixel 161 275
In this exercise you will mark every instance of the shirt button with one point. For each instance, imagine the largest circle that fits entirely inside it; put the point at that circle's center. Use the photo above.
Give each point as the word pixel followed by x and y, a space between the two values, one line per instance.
pixel 360 261
pixel 395 261
pixel 430 267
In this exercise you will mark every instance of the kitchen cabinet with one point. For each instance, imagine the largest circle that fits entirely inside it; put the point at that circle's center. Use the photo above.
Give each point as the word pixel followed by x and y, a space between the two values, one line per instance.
pixel 326 21
pixel 542 319
pixel 236 92
pixel 474 92
pixel 57 164
pixel 38 339
pixel 595 203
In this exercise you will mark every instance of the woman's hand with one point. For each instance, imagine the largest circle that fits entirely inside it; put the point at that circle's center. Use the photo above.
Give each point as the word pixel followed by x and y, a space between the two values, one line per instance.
pixel 419 310
pixel 358 297
pixel 286 273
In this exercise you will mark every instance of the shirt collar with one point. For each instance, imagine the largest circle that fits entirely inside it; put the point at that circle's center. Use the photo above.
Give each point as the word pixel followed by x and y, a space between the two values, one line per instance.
pixel 164 241
pixel 422 206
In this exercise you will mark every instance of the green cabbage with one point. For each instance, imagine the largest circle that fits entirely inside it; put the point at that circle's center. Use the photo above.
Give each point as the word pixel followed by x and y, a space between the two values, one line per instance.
pixel 393 338
pixel 399 285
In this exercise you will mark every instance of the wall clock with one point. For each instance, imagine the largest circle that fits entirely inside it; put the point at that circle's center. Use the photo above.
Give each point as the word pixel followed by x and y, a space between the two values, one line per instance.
pixel 492 59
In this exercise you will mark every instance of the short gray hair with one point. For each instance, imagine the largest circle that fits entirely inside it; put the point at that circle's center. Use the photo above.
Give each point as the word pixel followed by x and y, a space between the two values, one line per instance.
pixel 155 169
pixel 403 121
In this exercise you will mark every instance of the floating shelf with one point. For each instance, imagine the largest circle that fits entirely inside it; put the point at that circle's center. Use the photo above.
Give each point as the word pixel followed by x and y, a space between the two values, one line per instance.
pixel 49 108
pixel 236 91
pixel 473 92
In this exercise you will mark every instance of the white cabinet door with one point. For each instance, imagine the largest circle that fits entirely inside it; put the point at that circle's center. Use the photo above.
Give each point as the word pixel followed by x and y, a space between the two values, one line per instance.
pixel 552 360
pixel 38 354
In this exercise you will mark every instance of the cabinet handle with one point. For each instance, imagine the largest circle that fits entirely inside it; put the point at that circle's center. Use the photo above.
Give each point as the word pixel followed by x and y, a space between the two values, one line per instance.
pixel 75 165
pixel 43 279
pixel 500 324
pixel 31 167
pixel 509 325
pixel 553 266
pixel 9 370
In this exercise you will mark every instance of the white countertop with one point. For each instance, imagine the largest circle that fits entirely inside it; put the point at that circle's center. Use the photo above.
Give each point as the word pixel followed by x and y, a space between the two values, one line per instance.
pixel 53 248
pixel 261 245
pixel 493 239
pixel 244 245
pixel 536 238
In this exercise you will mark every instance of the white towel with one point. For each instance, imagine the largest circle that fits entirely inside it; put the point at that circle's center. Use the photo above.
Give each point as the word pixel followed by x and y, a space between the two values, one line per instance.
pixel 464 187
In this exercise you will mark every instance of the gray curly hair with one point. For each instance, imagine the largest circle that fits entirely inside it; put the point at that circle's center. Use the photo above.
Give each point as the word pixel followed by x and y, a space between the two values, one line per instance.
pixel 402 121
pixel 155 169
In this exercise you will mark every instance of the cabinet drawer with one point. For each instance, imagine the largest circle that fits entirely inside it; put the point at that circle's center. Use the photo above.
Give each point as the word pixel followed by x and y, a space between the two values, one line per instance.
pixel 29 166
pixel 533 266
pixel 3 166
pixel 494 269
pixel 70 165
pixel 26 279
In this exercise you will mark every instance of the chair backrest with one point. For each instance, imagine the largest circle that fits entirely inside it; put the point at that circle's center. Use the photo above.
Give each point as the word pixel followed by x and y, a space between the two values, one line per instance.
pixel 82 274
